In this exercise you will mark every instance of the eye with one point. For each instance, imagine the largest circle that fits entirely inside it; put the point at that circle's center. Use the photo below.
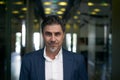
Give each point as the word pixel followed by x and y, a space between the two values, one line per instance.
pixel 57 34
pixel 48 33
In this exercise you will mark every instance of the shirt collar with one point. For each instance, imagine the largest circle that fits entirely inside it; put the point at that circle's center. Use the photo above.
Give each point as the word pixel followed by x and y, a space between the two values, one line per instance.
pixel 57 57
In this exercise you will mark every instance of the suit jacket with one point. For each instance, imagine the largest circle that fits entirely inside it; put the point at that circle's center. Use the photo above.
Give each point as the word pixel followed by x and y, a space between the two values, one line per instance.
pixel 33 66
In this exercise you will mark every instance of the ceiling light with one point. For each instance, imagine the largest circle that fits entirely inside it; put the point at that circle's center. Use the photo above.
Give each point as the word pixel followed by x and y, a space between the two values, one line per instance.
pixel 75 17
pixel 47 12
pixel 47 3
pixel 78 12
pixel 18 3
pixel 97 10
pixel 47 9
pixel 93 13
pixel 67 26
pixel 90 4
pixel 2 2
pixel 35 20
pixel 104 4
pixel 60 17
pixel 59 12
pixel 24 9
pixel 15 12
pixel 62 9
pixel 21 16
pixel 62 3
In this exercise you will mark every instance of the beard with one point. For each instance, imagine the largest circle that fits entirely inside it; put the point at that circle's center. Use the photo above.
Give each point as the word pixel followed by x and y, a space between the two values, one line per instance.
pixel 53 49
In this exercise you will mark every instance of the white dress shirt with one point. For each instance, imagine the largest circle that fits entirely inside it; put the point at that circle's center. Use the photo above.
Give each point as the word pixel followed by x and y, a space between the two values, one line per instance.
pixel 54 68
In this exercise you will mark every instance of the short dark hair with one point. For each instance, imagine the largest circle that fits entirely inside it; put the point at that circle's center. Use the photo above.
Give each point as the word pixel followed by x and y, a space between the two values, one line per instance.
pixel 53 19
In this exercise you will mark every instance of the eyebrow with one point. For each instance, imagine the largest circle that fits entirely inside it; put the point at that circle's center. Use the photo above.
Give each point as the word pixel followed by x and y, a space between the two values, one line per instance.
pixel 47 32
pixel 56 33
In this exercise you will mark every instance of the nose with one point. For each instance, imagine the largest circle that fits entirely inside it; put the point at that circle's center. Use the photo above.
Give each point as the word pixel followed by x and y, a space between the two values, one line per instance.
pixel 53 38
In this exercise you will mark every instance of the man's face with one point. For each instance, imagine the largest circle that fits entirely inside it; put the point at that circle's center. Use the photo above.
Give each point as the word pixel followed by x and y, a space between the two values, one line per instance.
pixel 53 37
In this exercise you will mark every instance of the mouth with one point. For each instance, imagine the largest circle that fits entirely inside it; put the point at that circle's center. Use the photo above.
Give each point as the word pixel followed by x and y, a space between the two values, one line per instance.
pixel 52 44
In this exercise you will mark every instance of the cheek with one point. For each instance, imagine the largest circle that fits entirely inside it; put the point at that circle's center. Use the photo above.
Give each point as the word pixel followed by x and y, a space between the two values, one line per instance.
pixel 61 40
pixel 45 39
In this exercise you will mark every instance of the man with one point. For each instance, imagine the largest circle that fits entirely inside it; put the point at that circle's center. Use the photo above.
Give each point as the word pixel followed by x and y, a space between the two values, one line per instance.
pixel 53 62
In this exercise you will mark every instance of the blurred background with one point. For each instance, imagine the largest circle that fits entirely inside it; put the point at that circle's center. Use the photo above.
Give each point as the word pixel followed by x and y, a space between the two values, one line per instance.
pixel 88 32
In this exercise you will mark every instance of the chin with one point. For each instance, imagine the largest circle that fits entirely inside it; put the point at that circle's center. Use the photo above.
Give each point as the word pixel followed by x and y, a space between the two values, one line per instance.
pixel 53 49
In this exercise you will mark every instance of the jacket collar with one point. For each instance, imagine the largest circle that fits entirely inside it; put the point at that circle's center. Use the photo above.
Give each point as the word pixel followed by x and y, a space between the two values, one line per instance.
pixel 67 65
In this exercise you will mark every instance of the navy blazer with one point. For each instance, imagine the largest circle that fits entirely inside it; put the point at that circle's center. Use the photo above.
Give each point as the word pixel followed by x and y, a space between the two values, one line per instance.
pixel 33 66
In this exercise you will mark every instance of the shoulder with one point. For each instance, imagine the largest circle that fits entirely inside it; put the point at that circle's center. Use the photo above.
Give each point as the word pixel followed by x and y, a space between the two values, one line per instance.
pixel 72 53
pixel 32 54
pixel 76 56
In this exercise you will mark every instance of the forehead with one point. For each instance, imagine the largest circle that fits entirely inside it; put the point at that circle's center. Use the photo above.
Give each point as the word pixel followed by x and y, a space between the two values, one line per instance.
pixel 53 27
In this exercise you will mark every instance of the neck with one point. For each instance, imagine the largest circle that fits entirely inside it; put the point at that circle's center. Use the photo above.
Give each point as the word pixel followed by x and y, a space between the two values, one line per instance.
pixel 51 54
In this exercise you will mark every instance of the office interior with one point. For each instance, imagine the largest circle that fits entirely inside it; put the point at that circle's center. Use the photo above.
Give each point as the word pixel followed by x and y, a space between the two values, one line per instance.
pixel 88 32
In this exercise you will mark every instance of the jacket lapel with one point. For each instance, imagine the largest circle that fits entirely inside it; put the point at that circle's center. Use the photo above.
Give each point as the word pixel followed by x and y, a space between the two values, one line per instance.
pixel 40 66
pixel 67 65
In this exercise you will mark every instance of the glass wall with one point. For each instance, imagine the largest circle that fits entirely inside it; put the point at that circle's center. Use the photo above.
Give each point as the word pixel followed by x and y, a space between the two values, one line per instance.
pixel 22 26
pixel 91 22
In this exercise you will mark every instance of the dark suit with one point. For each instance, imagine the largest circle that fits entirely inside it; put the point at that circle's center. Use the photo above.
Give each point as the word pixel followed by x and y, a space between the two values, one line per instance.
pixel 33 66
